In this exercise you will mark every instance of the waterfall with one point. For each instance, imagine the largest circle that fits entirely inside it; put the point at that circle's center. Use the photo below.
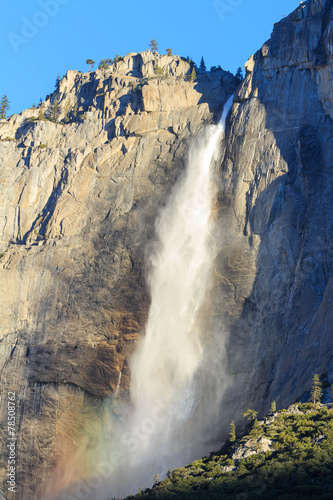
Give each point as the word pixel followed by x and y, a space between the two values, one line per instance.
pixel 170 412
pixel 165 365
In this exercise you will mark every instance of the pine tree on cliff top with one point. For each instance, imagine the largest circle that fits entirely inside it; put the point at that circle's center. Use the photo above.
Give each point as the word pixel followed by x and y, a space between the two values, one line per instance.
pixel 4 107
pixel 153 46
pixel 90 63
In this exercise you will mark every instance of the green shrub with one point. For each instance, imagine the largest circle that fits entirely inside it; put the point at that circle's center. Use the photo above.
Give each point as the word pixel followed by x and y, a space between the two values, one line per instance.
pixel 193 75
pixel 41 146
pixel 158 71
pixel 300 467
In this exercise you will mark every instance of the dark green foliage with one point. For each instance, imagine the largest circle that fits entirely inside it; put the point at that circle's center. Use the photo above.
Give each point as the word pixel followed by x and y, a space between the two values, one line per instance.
pixel 90 63
pixel 316 391
pixel 153 46
pixel 55 111
pixel 104 65
pixel 158 71
pixel 4 107
pixel 324 381
pixel 169 52
pixel 193 75
pixel 250 414
pixel 300 466
pixel 57 81
pixel 273 407
pixel 202 64
pixel 239 74
pixel 232 432
pixel 67 109
pixel 41 114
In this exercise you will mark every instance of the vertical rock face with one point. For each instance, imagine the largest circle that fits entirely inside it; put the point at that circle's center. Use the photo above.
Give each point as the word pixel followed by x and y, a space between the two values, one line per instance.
pixel 275 274
pixel 79 199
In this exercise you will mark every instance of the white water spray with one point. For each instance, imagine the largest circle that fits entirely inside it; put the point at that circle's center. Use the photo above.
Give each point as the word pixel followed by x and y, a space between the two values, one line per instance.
pixel 169 412
pixel 165 363
pixel 164 367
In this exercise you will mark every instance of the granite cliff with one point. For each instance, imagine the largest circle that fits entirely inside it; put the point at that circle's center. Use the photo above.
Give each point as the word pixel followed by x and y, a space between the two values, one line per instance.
pixel 79 199
pixel 276 194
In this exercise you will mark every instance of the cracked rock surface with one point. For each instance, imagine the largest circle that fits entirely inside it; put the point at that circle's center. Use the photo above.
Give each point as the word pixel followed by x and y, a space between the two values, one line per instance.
pixel 79 199
pixel 276 204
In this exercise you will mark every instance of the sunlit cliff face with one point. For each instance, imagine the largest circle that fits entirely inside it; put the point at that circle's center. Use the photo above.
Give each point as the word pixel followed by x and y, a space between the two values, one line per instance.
pixel 167 423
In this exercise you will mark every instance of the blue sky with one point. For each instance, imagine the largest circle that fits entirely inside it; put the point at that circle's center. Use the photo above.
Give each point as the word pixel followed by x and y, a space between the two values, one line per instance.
pixel 43 38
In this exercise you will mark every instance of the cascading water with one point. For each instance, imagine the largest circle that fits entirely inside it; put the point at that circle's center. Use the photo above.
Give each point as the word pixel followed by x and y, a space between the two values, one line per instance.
pixel 163 370
pixel 171 414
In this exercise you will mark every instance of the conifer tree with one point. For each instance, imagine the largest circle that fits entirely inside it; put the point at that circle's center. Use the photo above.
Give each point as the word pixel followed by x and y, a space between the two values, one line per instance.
pixel 169 52
pixel 67 110
pixel 55 111
pixel 103 65
pixel 239 74
pixel 316 391
pixel 250 414
pixel 4 107
pixel 193 75
pixel 202 64
pixel 273 406
pixel 153 46
pixel 232 432
pixel 41 114
pixel 90 63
